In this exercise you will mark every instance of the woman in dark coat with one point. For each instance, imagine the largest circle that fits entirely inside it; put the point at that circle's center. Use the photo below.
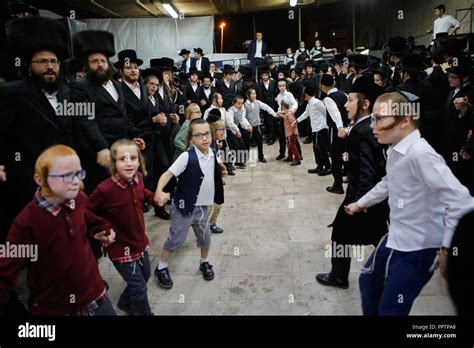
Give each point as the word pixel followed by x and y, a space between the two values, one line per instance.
pixel 365 169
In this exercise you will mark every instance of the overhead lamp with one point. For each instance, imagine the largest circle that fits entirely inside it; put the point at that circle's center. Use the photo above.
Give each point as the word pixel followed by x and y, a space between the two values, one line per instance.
pixel 172 11
pixel 293 3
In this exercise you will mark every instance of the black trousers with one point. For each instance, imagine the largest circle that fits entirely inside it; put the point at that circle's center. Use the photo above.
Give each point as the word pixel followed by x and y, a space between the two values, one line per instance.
pixel 337 149
pixel 257 136
pixel 321 148
pixel 271 126
pixel 340 267
pixel 237 145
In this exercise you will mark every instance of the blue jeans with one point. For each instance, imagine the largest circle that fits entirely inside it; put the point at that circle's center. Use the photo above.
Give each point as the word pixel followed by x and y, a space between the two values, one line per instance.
pixel 391 280
pixel 136 275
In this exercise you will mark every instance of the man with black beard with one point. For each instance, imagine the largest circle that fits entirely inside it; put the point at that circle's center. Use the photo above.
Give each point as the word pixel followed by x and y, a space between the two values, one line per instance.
pixel 30 120
pixel 110 121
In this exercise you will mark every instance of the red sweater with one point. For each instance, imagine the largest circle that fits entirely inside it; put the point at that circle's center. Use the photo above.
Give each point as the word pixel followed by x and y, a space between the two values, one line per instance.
pixel 65 278
pixel 123 207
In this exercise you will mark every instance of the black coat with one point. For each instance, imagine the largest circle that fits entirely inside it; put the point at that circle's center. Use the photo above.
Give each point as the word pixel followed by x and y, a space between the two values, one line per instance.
pixel 202 98
pixel 268 95
pixel 228 93
pixel 205 64
pixel 439 80
pixel 366 167
pixel 28 125
pixel 111 121
pixel 193 96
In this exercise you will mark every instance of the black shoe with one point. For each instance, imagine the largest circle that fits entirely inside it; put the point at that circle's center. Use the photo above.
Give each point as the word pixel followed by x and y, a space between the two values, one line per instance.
pixel 263 160
pixel 325 172
pixel 280 157
pixel 145 208
pixel 271 142
pixel 288 159
pixel 328 280
pixel 164 278
pixel 162 213
pixel 230 172
pixel 308 140
pixel 295 163
pixel 314 171
pixel 207 272
pixel 241 166
pixel 335 189
pixel 128 309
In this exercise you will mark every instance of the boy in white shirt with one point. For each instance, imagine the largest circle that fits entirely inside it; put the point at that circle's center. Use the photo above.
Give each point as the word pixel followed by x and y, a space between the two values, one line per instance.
pixel 426 201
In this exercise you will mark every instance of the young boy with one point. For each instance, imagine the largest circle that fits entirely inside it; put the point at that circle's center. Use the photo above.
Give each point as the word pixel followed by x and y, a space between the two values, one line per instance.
pixel 426 201
pixel 199 186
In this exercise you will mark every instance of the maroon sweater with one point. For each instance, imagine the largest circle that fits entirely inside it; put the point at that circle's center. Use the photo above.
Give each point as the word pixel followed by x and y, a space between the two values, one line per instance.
pixel 123 207
pixel 65 278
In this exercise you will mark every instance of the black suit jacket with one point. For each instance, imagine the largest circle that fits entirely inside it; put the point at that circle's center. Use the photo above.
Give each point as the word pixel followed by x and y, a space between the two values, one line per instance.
pixel 253 48
pixel 202 97
pixel 205 64
pixel 111 121
pixel 28 125
pixel 191 94
pixel 183 64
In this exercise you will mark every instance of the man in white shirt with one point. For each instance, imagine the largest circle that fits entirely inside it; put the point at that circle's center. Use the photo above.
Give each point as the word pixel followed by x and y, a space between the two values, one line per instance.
pixel 426 201
pixel 256 52
pixel 188 62
pixel 316 111
pixel 444 22
pixel 201 63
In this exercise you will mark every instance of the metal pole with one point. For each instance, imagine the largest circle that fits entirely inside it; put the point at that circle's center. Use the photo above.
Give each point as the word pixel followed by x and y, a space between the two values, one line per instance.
pixel 254 26
pixel 299 24
pixel 222 39
pixel 353 26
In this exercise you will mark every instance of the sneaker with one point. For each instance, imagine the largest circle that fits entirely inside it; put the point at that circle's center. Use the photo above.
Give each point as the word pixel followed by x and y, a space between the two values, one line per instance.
pixel 206 270
pixel 280 157
pixel 164 278
pixel 216 229
pixel 295 163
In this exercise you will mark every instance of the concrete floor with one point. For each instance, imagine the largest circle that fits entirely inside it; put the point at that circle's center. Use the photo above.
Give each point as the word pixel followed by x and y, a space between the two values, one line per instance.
pixel 275 240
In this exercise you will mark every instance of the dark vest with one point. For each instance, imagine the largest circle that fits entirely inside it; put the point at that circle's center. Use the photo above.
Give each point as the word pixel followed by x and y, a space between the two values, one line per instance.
pixel 228 94
pixel 189 183
pixel 340 99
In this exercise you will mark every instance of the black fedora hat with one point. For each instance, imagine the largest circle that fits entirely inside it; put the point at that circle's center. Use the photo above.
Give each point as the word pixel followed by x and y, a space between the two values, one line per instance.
pixel 397 45
pixel 411 62
pixel 359 60
pixel 461 64
pixel 244 69
pixel 383 71
pixel 194 70
pixel 206 75
pixel 218 75
pixel 182 78
pixel 365 85
pixel 74 65
pixel 339 58
pixel 199 50
pixel 126 57
pixel 93 41
pixel 263 69
pixel 151 72
pixel 30 34
pixel 163 63
pixel 228 69
pixel 184 51
pixel 310 62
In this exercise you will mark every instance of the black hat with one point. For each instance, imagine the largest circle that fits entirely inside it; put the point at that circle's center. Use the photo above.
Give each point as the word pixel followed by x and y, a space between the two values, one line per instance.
pixel 218 75
pixel 411 62
pixel 310 90
pixel 206 75
pixel 129 56
pixel 182 77
pixel 162 64
pixel 248 76
pixel 243 69
pixel 310 62
pixel 93 41
pixel 365 85
pixel 30 34
pixel 268 60
pixel 151 72
pixel 228 69
pixel 194 70
pixel 397 45
pixel 327 80
pixel 359 60
pixel 74 65
pixel 455 44
pixel 460 64
pixel 263 69
pixel 322 65
pixel 199 50
pixel 184 51
pixel 339 58
pixel 214 115
pixel 298 68
pixel 383 70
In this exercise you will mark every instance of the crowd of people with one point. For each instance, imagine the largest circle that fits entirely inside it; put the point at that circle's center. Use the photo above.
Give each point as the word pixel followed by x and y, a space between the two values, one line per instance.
pixel 87 146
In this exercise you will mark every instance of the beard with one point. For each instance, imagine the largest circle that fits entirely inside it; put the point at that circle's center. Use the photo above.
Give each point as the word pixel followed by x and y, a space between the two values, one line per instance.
pixel 47 83
pixel 100 75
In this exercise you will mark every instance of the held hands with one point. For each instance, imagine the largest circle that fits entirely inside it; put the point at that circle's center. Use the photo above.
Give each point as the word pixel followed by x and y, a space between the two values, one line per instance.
pixel 341 133
pixel 161 198
pixel 103 157
pixel 353 208
pixel 3 175
pixel 238 135
pixel 250 129
pixel 443 264
pixel 461 103
pixel 140 142
pixel 160 118
pixel 105 237
pixel 174 118
pixel 293 124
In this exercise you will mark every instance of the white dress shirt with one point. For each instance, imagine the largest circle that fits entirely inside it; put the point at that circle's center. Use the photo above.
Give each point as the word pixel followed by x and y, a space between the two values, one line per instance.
pixel 294 103
pixel 332 109
pixel 206 162
pixel 109 86
pixel 135 88
pixel 425 198
pixel 235 117
pixel 258 49
pixel 198 64
pixel 317 114
pixel 52 99
pixel 152 99
pixel 443 24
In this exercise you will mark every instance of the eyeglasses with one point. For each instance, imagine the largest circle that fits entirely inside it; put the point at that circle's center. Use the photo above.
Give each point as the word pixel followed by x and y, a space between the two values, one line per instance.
pixel 69 177
pixel 45 62
pixel 375 118
pixel 97 61
pixel 199 136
